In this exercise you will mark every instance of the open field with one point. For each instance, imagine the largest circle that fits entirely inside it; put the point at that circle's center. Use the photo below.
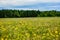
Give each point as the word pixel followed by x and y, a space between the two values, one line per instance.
pixel 44 28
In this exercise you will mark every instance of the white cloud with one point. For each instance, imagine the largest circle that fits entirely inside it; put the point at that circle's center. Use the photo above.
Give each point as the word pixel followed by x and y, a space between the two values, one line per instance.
pixel 8 4
pixel 23 2
pixel 17 2
pixel 54 6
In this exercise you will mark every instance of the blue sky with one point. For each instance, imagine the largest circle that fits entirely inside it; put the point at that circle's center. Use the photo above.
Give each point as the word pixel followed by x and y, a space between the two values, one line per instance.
pixel 30 4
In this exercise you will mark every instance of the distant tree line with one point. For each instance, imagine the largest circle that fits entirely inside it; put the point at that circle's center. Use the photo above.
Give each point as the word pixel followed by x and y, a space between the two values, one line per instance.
pixel 28 13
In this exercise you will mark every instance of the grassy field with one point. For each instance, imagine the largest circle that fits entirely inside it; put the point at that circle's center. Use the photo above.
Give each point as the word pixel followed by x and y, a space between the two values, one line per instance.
pixel 44 28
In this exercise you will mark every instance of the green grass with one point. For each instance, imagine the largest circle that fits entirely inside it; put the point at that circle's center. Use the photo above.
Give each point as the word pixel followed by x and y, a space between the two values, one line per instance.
pixel 44 28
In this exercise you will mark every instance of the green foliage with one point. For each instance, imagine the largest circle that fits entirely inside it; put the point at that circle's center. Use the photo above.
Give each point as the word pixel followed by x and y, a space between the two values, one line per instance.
pixel 28 13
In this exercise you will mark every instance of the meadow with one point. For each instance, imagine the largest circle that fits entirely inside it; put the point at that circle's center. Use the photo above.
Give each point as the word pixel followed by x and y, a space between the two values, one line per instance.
pixel 40 28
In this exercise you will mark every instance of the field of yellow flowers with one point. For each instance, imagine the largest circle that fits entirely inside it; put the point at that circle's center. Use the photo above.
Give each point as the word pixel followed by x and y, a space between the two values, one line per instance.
pixel 47 28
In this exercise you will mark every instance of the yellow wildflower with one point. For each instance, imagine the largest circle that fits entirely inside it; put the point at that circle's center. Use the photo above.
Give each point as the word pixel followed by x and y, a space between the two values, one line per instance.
pixel 57 35
pixel 56 32
pixel 2 39
pixel 43 37
pixel 47 34
pixel 43 33
pixel 34 34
